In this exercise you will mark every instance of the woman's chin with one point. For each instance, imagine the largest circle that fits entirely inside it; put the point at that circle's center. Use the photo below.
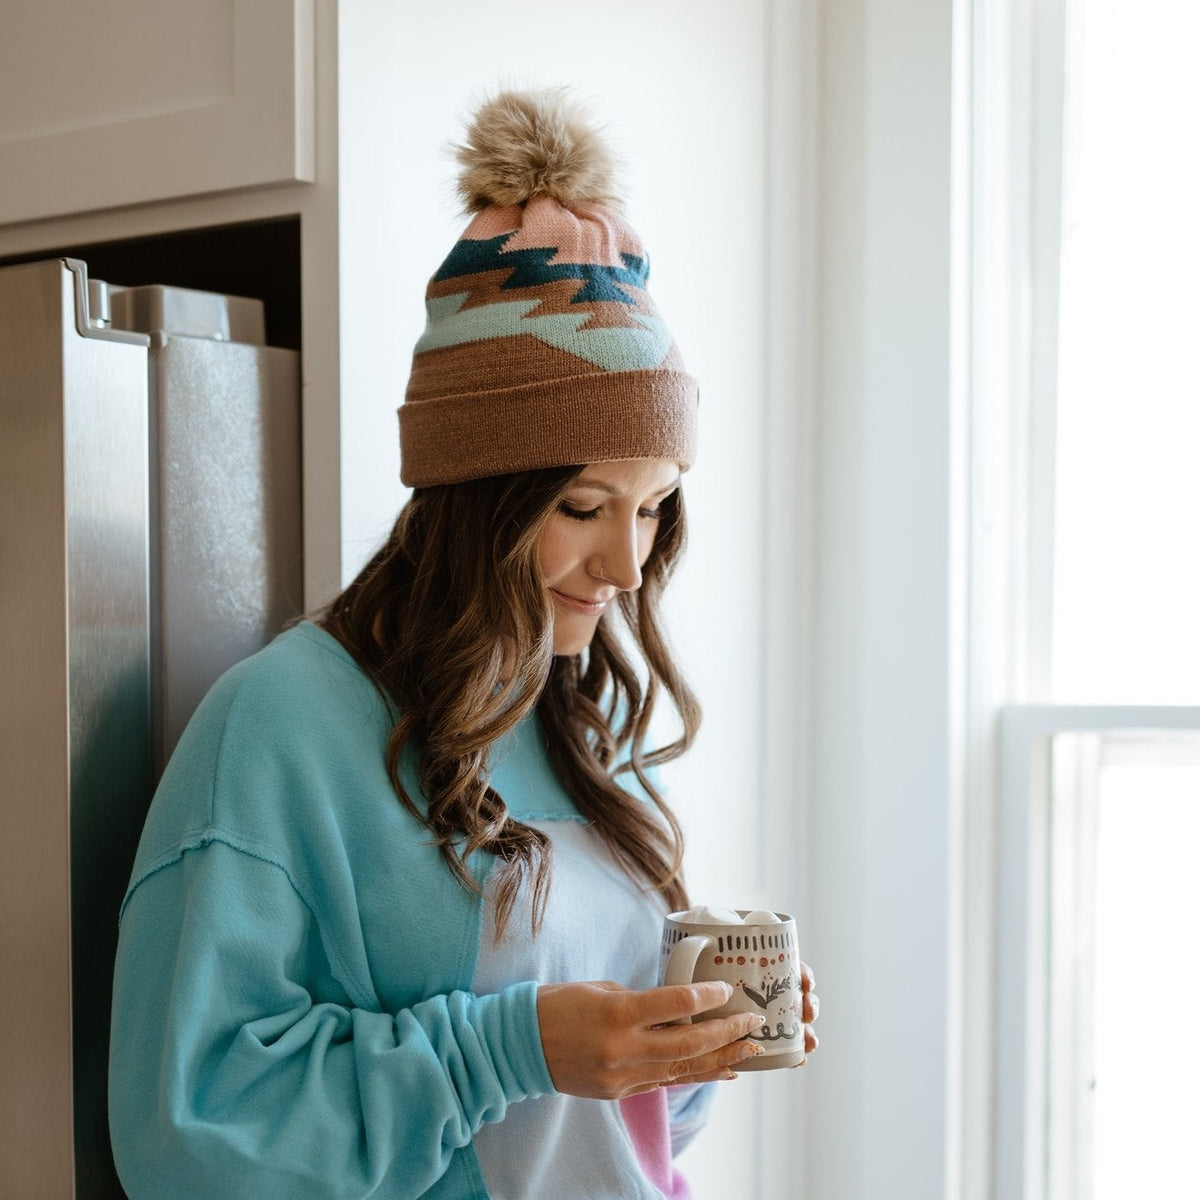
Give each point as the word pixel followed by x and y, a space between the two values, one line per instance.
pixel 573 636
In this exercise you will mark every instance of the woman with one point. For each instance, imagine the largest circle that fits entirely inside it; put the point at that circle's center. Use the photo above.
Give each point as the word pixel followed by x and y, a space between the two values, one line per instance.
pixel 380 834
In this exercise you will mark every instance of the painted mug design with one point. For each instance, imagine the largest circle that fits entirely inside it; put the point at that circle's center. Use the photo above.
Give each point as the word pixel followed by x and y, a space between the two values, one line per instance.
pixel 762 965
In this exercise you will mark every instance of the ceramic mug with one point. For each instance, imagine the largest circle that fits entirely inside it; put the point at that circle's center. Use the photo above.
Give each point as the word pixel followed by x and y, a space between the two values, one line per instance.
pixel 762 965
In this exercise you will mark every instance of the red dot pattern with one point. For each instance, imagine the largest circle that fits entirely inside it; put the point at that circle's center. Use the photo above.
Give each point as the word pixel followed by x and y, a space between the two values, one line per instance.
pixel 721 959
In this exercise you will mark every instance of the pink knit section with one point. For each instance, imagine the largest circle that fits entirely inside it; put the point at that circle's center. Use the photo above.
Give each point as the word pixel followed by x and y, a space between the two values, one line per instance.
pixel 493 221
pixel 587 234
pixel 648 1123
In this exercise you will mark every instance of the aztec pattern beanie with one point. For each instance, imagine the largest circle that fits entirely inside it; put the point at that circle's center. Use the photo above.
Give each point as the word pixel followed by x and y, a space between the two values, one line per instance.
pixel 542 347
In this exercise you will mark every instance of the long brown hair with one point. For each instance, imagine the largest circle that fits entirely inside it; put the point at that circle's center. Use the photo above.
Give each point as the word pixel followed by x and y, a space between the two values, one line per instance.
pixel 452 621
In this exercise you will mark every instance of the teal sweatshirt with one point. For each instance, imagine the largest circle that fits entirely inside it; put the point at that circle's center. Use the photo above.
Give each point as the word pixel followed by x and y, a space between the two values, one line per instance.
pixel 291 1013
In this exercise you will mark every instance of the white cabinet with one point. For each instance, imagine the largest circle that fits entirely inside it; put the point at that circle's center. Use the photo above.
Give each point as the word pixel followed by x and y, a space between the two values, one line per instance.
pixel 105 106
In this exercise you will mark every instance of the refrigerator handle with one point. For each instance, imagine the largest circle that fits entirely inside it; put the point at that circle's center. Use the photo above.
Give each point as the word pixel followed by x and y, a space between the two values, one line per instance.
pixel 83 314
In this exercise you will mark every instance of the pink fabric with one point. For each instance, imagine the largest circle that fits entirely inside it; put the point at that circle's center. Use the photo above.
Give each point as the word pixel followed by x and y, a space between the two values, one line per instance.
pixel 587 234
pixel 648 1122
pixel 492 221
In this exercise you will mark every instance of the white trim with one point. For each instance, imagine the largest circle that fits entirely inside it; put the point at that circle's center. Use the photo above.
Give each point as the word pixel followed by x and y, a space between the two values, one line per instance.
pixel 994 537
pixel 1074 765
pixel 1043 151
pixel 1106 718
pixel 964 913
pixel 789 348
pixel 1014 146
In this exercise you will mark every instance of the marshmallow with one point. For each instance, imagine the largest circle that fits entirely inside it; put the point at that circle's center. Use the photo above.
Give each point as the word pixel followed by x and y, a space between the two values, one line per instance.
pixel 760 916
pixel 707 914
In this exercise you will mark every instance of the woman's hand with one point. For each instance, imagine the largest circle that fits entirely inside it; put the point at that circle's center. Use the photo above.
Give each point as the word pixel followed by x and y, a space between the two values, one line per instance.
pixel 603 1041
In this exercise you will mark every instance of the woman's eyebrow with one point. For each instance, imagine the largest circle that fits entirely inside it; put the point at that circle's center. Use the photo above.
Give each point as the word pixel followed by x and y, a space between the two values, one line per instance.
pixel 598 485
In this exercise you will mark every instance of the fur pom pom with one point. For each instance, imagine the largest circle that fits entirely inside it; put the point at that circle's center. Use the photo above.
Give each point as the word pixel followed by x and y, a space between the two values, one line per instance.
pixel 526 144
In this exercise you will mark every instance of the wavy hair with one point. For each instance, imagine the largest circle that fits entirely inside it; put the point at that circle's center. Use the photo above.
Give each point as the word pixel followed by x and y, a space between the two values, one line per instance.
pixel 452 621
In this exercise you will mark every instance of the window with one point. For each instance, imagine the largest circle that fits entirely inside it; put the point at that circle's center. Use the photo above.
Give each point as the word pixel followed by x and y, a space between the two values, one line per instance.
pixel 1099 765
pixel 1126 584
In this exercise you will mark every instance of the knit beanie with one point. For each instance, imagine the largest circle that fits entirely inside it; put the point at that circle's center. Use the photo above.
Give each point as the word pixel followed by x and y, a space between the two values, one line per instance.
pixel 542 347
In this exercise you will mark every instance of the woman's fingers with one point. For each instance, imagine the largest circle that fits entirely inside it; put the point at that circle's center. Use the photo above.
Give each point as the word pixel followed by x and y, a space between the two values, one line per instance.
pixel 720 1037
pixel 666 1005
pixel 709 1068
pixel 691 1048
pixel 604 1041
pixel 726 1058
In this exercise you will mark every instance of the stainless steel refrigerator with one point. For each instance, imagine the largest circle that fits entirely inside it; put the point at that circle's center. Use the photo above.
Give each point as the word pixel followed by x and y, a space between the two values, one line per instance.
pixel 149 538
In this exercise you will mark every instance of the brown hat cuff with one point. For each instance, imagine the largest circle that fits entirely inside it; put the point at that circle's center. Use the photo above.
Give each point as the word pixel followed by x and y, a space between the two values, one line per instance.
pixel 585 419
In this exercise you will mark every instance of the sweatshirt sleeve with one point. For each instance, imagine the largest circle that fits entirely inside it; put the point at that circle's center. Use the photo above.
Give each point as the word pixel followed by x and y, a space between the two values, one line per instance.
pixel 229 1077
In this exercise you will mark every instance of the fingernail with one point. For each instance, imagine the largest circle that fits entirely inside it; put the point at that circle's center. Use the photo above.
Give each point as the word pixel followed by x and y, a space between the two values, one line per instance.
pixel 750 1050
pixel 729 1075
pixel 757 1021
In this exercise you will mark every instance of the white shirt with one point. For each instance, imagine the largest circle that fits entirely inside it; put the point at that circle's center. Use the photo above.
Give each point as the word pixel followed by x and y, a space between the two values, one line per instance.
pixel 599 925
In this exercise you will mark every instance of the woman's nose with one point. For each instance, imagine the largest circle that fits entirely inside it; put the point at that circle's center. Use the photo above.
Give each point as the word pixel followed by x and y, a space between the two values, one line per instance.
pixel 619 560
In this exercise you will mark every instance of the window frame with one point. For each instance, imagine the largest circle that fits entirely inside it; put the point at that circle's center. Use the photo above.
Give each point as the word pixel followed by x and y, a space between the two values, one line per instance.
pixel 1028 1166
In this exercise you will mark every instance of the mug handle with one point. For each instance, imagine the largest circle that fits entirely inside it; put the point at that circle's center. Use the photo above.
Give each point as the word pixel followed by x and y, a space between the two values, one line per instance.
pixel 681 963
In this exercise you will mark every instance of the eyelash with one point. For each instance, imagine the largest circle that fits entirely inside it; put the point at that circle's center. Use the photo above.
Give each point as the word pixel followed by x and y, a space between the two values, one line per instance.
pixel 590 514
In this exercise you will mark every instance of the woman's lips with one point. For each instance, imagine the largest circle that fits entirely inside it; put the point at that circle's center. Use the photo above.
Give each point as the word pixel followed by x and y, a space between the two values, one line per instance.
pixel 593 608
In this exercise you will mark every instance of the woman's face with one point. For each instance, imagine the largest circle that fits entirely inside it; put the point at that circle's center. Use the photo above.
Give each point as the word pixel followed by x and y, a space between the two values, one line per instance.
pixel 596 542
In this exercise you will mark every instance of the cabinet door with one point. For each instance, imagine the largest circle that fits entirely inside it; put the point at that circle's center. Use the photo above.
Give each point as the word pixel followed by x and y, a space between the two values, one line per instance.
pixel 148 100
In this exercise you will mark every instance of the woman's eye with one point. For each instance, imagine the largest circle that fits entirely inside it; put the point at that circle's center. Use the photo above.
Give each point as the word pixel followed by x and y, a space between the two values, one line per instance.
pixel 578 514
pixel 650 514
